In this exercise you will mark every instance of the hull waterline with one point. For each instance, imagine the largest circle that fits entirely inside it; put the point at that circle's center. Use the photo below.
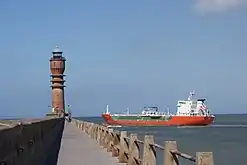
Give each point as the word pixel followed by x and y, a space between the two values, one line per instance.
pixel 171 121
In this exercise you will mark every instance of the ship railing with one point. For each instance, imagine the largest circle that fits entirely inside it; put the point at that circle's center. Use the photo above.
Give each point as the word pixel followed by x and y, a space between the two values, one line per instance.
pixel 127 148
pixel 193 114
pixel 124 114
pixel 139 115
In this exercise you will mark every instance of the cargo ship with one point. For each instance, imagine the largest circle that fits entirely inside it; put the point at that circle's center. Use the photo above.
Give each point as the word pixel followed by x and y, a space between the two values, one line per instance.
pixel 190 112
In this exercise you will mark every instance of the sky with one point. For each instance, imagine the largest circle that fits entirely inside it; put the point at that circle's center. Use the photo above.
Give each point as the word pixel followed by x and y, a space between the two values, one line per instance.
pixel 124 54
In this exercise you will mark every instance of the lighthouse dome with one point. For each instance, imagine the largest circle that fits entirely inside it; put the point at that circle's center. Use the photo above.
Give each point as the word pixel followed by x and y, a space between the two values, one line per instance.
pixel 57 51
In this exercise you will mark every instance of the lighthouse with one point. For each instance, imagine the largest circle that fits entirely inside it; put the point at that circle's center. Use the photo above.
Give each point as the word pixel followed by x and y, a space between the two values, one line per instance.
pixel 57 67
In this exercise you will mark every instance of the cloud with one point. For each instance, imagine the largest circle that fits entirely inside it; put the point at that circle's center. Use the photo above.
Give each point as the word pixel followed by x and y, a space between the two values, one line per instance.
pixel 205 6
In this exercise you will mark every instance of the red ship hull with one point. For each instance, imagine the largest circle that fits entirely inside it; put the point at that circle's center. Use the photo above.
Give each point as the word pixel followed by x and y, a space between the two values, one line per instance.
pixel 173 121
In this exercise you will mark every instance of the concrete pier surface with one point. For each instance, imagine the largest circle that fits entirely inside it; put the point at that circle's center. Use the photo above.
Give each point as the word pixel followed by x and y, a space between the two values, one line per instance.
pixel 77 148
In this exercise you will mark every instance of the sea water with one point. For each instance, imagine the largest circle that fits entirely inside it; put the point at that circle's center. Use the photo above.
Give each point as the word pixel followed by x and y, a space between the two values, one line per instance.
pixel 226 138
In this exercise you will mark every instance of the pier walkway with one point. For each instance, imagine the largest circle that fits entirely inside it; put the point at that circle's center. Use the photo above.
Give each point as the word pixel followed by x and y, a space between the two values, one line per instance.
pixel 77 148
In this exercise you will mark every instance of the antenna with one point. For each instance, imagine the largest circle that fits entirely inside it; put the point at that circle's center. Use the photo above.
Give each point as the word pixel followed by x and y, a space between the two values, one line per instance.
pixel 191 95
pixel 193 92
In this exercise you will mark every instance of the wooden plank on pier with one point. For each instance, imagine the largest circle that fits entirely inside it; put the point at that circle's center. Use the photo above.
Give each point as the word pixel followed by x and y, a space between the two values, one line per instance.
pixel 77 149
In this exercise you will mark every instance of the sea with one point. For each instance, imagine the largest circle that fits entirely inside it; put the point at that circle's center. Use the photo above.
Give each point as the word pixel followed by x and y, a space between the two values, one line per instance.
pixel 226 138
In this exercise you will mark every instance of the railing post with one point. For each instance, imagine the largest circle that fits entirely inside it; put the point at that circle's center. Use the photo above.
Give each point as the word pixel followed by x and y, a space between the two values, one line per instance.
pixel 116 142
pixel 91 130
pixel 170 159
pixel 104 137
pixel 123 147
pixel 84 127
pixel 101 142
pixel 88 128
pixel 110 140
pixel 134 153
pixel 98 133
pixel 149 152
pixel 204 158
pixel 95 132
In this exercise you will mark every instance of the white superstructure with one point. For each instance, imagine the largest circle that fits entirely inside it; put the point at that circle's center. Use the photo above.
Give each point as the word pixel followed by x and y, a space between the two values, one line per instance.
pixel 192 107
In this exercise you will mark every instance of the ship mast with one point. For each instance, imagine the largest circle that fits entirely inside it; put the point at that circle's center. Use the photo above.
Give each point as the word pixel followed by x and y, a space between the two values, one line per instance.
pixel 127 111
pixel 168 111
pixel 107 110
